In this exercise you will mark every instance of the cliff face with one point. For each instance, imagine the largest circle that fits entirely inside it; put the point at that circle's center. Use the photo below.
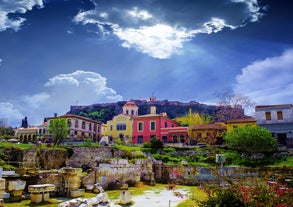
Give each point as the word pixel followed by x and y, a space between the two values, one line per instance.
pixel 106 111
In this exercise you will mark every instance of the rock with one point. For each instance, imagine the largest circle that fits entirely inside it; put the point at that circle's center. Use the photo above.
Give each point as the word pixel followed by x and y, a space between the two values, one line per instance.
pixel 125 197
pixel 97 188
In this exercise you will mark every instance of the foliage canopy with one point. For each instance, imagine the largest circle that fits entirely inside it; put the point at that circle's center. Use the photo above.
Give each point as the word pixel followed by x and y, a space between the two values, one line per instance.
pixel 59 129
pixel 251 139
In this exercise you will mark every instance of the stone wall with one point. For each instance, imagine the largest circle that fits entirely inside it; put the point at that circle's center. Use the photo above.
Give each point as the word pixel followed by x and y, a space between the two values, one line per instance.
pixel 92 156
pixel 52 159
pixel 36 158
pixel 119 171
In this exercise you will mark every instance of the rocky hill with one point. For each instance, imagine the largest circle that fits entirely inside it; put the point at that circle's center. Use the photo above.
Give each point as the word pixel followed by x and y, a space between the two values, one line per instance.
pixel 105 111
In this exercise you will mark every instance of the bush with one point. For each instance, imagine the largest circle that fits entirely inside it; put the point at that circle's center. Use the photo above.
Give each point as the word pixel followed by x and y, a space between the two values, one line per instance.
pixel 156 143
pixel 257 195
pixel 146 145
pixel 251 139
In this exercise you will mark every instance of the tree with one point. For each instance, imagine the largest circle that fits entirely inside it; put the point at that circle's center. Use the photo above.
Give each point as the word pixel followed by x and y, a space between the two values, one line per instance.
pixel 58 128
pixel 194 118
pixel 233 106
pixel 251 139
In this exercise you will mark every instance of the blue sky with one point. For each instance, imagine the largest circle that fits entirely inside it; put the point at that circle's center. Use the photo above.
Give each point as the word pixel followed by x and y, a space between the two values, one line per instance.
pixel 57 53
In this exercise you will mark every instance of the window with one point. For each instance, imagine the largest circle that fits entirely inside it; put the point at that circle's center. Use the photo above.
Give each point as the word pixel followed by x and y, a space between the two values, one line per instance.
pixel 132 112
pixel 140 126
pixel 175 139
pixel 198 135
pixel 120 127
pixel 69 122
pixel 90 126
pixel 152 125
pixel 76 123
pixel 83 125
pixel 111 128
pixel 166 124
pixel 280 115
pixel 268 116
pixel 139 139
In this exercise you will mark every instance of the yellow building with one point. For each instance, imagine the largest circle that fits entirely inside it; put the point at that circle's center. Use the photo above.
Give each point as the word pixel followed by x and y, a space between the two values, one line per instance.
pixel 207 133
pixel 119 129
pixel 26 135
pixel 235 123
pixel 103 129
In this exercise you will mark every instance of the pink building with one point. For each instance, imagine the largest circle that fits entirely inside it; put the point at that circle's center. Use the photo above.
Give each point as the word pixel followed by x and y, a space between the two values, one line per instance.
pixel 146 127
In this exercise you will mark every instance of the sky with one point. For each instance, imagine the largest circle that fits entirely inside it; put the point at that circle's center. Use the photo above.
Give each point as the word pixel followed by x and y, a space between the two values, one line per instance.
pixel 58 53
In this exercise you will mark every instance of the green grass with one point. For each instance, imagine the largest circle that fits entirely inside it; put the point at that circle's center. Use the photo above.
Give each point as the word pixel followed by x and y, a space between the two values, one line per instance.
pixel 283 162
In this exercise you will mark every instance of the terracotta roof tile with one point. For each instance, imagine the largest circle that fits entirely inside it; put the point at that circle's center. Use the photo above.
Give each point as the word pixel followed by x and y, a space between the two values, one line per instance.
pixel 241 120
pixel 208 126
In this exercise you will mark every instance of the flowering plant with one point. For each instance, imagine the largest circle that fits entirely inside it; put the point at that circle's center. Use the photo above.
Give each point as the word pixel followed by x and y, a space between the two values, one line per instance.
pixel 263 194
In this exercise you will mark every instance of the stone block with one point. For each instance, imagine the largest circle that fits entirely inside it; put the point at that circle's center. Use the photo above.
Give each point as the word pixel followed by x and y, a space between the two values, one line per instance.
pixel 40 193
pixel 77 193
pixel 16 185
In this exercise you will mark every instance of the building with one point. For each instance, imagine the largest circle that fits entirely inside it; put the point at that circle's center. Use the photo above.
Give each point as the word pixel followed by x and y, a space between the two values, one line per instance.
pixel 42 132
pixel 235 123
pixel 175 134
pixel 207 133
pixel 26 135
pixel 278 119
pixel 79 128
pixel 119 129
pixel 159 126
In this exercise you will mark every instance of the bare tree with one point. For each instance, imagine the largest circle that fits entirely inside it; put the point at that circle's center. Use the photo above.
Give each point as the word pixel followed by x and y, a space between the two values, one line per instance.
pixel 2 122
pixel 233 106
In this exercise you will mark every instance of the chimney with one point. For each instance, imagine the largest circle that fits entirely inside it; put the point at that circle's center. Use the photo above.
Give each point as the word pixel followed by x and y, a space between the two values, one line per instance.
pixel 153 110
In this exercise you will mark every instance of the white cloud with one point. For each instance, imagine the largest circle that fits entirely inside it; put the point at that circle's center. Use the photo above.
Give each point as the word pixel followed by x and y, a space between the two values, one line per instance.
pixel 10 114
pixel 139 14
pixel 268 81
pixel 11 7
pixel 159 41
pixel 59 93
pixel 0 61
pixel 253 8
pixel 151 33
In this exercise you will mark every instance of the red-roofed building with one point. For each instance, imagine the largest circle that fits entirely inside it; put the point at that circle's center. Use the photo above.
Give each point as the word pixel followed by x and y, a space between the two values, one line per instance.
pixel 235 123
pixel 79 128
pixel 207 133
pixel 153 125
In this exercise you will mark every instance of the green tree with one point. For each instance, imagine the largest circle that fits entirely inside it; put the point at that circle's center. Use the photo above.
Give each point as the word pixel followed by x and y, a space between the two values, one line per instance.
pixel 194 118
pixel 251 139
pixel 58 128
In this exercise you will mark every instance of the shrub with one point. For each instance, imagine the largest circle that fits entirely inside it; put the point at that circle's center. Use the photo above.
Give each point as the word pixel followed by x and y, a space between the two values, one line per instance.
pixel 257 195
pixel 251 139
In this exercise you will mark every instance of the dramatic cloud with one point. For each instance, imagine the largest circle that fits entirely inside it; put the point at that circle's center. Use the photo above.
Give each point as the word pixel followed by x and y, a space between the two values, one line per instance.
pixel 157 33
pixel 8 7
pixel 59 93
pixel 268 81
pixel 10 114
